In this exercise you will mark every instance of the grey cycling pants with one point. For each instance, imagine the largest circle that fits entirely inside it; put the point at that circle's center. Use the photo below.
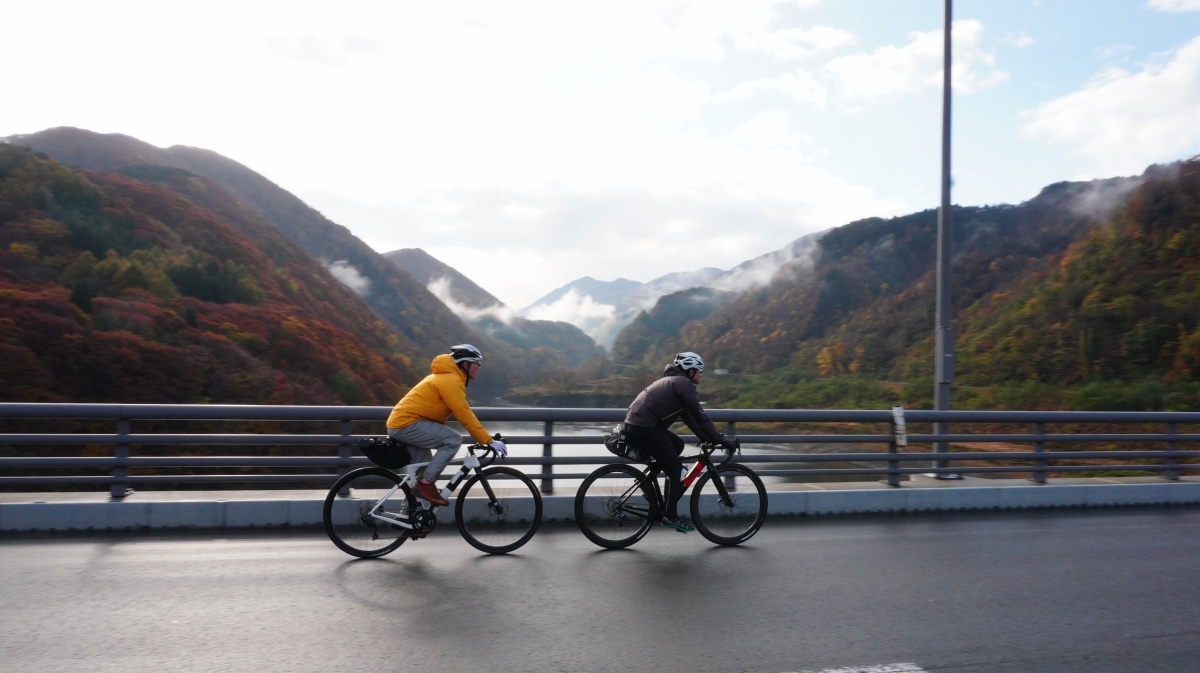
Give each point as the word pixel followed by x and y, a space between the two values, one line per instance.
pixel 422 438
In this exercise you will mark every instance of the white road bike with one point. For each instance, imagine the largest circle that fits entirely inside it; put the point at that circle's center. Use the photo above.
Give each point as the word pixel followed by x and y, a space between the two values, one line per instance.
pixel 371 511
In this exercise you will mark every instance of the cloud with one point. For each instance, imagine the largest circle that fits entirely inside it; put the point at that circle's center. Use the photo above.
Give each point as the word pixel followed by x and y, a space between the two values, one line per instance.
pixel 1123 121
pixel 349 276
pixel 801 86
pixel 798 257
pixel 544 237
pixel 441 288
pixel 891 70
pixel 1018 40
pixel 795 43
pixel 581 311
pixel 312 48
pixel 1175 5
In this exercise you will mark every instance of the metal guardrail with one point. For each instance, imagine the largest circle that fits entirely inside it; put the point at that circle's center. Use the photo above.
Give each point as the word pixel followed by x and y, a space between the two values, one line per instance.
pixel 1037 462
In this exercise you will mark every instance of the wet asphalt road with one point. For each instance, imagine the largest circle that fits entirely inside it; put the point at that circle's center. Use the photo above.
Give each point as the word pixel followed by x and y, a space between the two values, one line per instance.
pixel 1096 591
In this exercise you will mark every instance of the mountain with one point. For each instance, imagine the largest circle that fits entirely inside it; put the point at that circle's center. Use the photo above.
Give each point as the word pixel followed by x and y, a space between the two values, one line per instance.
pixel 604 308
pixel 652 336
pixel 861 301
pixel 423 324
pixel 397 297
pixel 610 292
pixel 479 308
pixel 162 287
pixel 426 269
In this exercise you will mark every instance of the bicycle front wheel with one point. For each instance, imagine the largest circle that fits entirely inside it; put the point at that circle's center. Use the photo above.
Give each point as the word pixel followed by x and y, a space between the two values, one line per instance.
pixel 614 507
pixel 498 510
pixel 348 520
pixel 729 516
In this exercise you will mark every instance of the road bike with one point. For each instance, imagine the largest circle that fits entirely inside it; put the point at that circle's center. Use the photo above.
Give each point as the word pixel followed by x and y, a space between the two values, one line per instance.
pixel 371 511
pixel 618 504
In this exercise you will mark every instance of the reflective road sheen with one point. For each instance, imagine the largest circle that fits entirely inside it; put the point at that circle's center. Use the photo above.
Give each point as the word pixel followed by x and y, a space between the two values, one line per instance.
pixel 1097 591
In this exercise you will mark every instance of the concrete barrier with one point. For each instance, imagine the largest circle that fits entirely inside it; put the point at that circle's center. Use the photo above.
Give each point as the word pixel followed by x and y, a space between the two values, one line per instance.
pixel 248 512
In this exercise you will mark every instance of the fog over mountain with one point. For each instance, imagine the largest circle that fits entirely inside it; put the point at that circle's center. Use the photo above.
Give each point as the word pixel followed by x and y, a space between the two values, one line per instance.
pixel 485 312
pixel 603 308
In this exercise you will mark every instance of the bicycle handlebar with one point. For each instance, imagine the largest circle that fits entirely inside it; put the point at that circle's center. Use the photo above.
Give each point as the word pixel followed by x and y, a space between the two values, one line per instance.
pixel 489 455
pixel 711 447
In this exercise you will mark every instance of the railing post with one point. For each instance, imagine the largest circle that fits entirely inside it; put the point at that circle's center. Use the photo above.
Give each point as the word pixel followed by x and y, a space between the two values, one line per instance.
pixel 1039 447
pixel 1172 474
pixel 118 488
pixel 548 452
pixel 730 432
pixel 344 449
pixel 899 438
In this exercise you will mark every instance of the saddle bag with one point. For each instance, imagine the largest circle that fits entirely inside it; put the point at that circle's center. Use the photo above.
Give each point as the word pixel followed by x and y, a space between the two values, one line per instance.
pixel 385 452
pixel 617 442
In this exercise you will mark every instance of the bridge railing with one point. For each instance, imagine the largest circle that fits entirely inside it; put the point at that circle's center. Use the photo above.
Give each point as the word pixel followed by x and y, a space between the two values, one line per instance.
pixel 1154 451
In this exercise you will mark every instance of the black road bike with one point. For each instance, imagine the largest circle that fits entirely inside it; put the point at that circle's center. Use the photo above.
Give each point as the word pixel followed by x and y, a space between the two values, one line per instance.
pixel 618 504
pixel 371 511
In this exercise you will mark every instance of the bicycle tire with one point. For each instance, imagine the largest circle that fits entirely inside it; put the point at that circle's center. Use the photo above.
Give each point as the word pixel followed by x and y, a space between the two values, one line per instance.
pixel 728 523
pixel 504 524
pixel 345 518
pixel 602 518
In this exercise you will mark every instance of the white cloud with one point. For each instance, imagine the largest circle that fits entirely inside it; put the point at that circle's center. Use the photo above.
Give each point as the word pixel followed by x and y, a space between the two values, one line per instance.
pixel 1123 121
pixel 1175 5
pixel 441 288
pixel 1018 40
pixel 581 311
pixel 801 86
pixel 348 275
pixel 891 70
pixel 795 43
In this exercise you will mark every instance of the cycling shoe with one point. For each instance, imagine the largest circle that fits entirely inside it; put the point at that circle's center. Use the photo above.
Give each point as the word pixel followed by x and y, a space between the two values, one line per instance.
pixel 677 523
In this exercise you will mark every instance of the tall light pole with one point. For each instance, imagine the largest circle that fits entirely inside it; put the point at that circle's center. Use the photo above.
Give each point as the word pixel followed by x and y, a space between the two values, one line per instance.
pixel 944 334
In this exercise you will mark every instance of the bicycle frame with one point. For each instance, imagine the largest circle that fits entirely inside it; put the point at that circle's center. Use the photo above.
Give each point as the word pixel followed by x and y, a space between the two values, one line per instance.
pixel 470 462
pixel 651 472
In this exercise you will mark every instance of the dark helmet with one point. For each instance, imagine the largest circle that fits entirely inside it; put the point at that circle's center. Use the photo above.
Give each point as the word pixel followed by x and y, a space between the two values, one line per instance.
pixel 465 353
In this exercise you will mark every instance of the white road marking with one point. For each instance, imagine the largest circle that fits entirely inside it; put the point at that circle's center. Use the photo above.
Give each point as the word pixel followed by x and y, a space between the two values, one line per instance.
pixel 878 668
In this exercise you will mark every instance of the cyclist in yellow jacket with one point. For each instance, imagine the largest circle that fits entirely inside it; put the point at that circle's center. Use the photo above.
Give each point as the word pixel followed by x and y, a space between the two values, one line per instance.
pixel 419 419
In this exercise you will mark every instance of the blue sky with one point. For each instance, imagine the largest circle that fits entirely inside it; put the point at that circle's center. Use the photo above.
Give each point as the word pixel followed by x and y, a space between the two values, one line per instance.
pixel 530 143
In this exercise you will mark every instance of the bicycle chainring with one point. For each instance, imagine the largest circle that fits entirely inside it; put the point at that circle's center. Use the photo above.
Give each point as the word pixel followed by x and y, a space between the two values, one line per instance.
pixel 423 521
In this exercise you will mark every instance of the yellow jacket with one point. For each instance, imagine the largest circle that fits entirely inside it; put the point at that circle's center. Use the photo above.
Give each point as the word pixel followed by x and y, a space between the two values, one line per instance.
pixel 438 395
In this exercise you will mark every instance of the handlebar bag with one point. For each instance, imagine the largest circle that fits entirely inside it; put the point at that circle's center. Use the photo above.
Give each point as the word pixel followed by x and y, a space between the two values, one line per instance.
pixel 617 443
pixel 385 452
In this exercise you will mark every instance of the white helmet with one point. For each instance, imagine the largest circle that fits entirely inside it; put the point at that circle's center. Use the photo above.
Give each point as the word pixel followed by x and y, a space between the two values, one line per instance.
pixel 688 360
pixel 465 353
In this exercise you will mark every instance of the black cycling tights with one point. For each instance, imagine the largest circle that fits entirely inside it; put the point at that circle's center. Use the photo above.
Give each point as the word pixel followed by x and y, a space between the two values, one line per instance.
pixel 664 447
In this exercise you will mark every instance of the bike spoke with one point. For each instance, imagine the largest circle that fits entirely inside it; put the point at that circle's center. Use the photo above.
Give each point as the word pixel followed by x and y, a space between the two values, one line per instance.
pixel 360 523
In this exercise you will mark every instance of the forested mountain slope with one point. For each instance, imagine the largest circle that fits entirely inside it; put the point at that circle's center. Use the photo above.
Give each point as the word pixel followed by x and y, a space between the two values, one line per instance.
pixel 423 324
pixel 1122 303
pixel 395 295
pixel 126 290
pixel 863 303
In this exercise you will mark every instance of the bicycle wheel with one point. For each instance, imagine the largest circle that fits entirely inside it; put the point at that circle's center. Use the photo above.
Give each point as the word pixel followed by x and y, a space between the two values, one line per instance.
pixel 347 519
pixel 502 520
pixel 737 519
pixel 614 508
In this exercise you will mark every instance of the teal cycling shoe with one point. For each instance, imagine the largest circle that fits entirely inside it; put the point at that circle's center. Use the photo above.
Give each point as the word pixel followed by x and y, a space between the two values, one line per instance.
pixel 677 523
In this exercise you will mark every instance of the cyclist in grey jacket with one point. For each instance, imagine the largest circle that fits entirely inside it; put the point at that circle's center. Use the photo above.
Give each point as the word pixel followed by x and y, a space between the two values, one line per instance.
pixel 647 424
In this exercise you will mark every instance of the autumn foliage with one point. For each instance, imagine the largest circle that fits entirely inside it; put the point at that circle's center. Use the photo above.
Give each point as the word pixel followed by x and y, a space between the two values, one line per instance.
pixel 161 287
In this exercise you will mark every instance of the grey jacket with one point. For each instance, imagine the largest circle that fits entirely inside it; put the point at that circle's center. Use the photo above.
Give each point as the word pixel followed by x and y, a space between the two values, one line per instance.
pixel 669 399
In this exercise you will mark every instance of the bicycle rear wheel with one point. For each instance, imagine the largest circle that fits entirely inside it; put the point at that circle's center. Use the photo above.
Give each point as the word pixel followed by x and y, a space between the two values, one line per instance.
pixel 732 520
pixel 502 520
pixel 347 520
pixel 614 508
